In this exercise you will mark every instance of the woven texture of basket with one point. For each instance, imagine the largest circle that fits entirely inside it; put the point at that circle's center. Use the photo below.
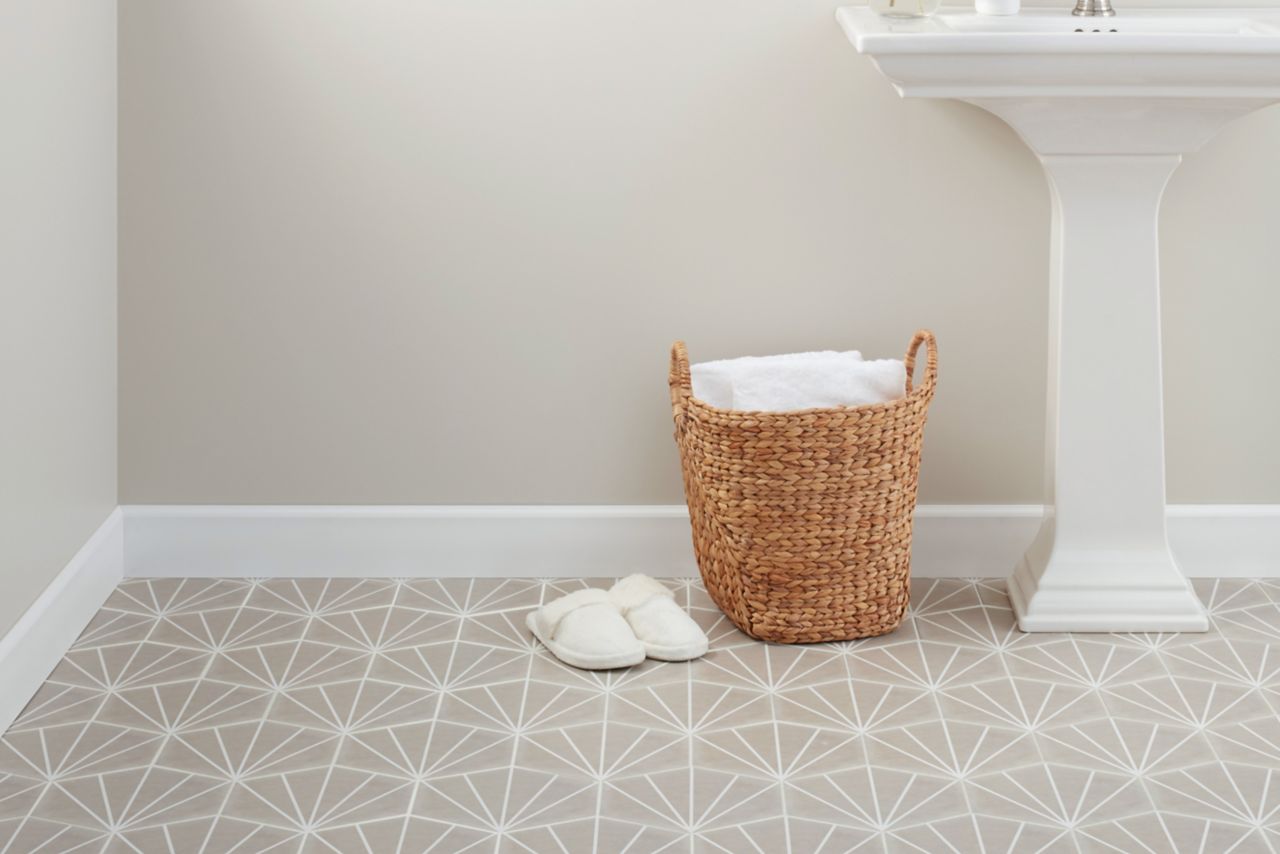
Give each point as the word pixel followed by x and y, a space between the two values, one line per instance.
pixel 802 520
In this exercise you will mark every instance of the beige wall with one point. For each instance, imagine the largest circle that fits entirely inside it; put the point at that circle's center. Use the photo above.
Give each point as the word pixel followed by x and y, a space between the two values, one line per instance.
pixel 58 280
pixel 435 252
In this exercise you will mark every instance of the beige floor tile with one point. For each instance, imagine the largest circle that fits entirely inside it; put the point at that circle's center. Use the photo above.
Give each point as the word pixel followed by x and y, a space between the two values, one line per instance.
pixel 1257 623
pixel 616 836
pixel 227 628
pixel 406 835
pixel 121 666
pixel 163 596
pixel 1090 661
pixel 18 795
pixel 875 798
pixel 989 834
pixel 779 750
pixel 522 706
pixel 450 665
pixel 929 665
pixel 206 836
pixel 248 750
pixel 552 837
pixel 134 798
pixel 1061 796
pixel 771 834
pixel 1186 701
pixel 79 749
pixel 688 706
pixel 383 628
pixel 828 838
pixel 773 667
pixel 544 667
pixel 109 627
pixel 602 750
pixel 952 748
pixel 430 749
pixel 1224 595
pixel 471 596
pixel 288 665
pixel 1026 704
pixel 38 835
pixel 1221 791
pixel 933 596
pixel 506 799
pixel 1216 658
pixel 1253 741
pixel 183 705
pixel 503 629
pixel 384 715
pixel 977 626
pixel 55 703
pixel 355 705
pixel 1177 834
pixel 862 707
pixel 697 800
pixel 315 596
pixel 1126 746
pixel 318 798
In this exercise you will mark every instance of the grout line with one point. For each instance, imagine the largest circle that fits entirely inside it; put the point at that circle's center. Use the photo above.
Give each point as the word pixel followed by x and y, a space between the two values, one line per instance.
pixel 936 692
pixel 266 713
pixel 1267 700
pixel 156 619
pixel 1034 733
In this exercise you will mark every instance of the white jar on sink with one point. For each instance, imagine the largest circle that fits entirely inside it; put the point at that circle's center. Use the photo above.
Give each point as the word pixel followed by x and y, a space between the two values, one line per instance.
pixel 997 7
pixel 905 8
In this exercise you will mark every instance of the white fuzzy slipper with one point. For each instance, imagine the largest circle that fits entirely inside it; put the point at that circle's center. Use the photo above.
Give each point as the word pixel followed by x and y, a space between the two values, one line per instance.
pixel 667 632
pixel 585 629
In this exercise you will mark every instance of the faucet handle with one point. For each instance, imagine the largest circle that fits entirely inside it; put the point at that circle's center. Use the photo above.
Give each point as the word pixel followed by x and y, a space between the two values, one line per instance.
pixel 1094 8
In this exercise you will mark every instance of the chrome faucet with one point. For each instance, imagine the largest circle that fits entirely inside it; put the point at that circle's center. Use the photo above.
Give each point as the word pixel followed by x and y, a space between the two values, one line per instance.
pixel 1093 8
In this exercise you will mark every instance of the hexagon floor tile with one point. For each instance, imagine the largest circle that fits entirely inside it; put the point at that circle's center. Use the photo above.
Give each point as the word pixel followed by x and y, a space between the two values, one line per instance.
pixel 415 715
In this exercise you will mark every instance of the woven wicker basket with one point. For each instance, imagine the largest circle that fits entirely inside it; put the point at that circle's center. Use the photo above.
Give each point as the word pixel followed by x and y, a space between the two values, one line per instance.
pixel 802 520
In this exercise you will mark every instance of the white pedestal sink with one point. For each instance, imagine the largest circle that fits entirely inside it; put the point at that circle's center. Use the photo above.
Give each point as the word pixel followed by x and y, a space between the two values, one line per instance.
pixel 1109 105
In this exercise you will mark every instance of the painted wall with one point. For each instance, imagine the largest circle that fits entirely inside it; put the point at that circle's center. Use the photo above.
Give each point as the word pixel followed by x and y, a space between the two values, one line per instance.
pixel 58 280
pixel 408 252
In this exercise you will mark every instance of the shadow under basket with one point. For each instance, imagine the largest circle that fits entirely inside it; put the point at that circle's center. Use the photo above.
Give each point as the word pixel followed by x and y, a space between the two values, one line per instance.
pixel 802 520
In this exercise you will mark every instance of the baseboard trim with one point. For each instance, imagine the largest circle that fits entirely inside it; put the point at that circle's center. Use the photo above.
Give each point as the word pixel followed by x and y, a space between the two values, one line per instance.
pixel 36 643
pixel 524 541
pixel 407 541
pixel 601 540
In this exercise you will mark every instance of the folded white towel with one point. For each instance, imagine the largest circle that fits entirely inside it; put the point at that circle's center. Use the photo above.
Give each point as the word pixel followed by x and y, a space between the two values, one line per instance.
pixel 798 381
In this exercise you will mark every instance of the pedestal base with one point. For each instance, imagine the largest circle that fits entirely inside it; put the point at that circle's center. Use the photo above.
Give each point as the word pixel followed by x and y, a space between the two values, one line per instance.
pixel 1056 589
pixel 1109 117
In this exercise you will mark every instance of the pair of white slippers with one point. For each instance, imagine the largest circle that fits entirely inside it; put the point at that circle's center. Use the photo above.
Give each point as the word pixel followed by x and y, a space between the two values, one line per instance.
pixel 637 618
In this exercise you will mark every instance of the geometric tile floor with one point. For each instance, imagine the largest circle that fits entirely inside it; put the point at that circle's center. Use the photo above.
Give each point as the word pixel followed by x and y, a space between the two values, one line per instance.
pixel 416 716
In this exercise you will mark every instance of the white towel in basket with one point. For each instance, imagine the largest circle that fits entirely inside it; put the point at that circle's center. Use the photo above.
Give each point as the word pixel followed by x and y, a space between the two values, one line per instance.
pixel 798 381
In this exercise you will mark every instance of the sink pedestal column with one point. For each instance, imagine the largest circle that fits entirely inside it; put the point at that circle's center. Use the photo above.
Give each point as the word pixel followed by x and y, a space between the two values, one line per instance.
pixel 1101 561
pixel 1109 112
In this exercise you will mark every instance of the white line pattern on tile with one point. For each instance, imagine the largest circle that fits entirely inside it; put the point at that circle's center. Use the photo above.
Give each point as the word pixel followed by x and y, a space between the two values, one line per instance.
pixel 415 715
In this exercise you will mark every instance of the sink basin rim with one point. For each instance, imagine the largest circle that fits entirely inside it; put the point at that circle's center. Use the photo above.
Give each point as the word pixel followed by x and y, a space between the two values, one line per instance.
pixel 956 30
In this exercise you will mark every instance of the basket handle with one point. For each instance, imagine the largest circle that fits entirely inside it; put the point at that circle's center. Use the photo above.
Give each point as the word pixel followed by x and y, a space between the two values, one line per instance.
pixel 680 380
pixel 923 336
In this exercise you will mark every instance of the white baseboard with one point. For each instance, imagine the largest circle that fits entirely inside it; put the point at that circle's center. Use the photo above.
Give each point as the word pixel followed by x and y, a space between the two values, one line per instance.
pixel 528 541
pixel 42 635
pixel 610 540
pixel 426 541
